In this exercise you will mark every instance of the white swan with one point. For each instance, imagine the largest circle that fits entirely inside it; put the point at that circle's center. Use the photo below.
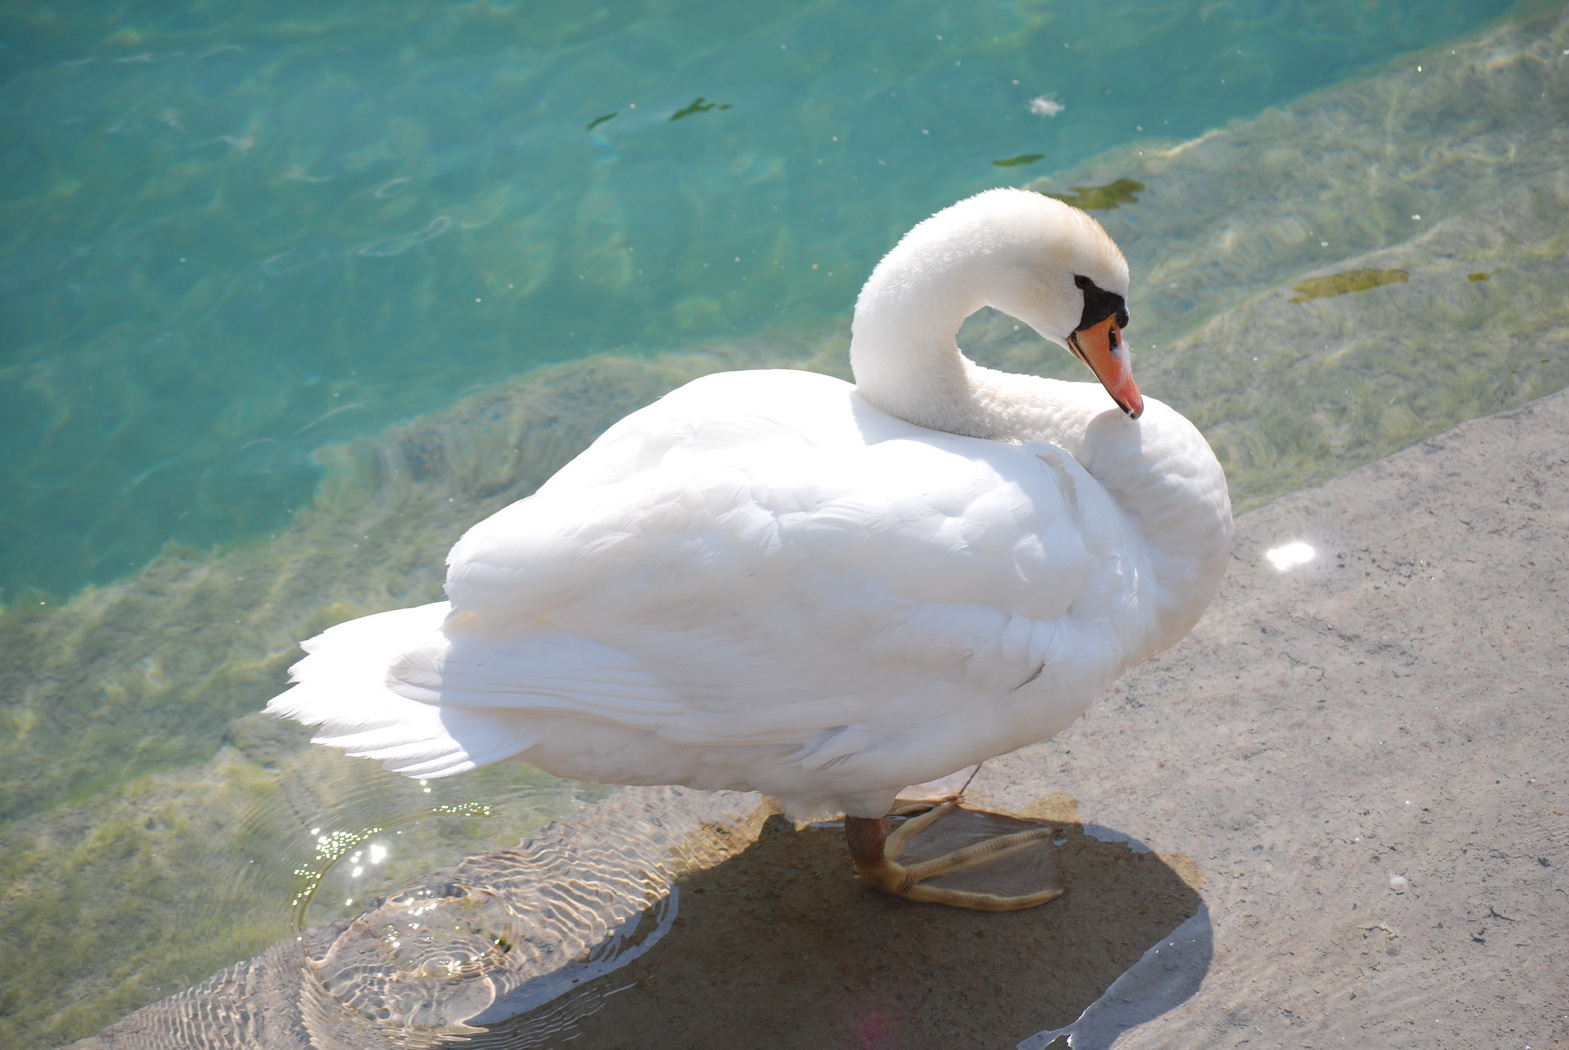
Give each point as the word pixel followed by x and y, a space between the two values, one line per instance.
pixel 775 581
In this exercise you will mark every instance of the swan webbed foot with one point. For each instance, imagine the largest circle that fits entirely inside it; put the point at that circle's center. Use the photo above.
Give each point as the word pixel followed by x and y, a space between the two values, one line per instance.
pixel 973 859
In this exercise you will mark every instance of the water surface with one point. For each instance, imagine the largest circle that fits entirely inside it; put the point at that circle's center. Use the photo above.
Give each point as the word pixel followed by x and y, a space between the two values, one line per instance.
pixel 236 232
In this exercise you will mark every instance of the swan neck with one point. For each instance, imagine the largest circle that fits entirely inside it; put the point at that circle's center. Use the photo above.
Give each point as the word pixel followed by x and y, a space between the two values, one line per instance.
pixel 904 353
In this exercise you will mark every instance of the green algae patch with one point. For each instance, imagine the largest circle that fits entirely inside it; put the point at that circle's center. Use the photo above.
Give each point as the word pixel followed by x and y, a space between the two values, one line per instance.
pixel 1109 197
pixel 699 105
pixel 1346 282
pixel 1020 161
pixel 1479 277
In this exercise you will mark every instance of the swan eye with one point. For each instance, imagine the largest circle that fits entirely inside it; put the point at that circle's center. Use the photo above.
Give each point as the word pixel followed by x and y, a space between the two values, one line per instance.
pixel 1100 304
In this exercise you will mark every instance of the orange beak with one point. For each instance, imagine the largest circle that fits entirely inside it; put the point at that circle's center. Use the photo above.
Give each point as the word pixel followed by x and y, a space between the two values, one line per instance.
pixel 1101 347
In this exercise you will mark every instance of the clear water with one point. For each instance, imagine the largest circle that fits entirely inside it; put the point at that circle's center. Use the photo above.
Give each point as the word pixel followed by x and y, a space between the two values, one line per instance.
pixel 235 232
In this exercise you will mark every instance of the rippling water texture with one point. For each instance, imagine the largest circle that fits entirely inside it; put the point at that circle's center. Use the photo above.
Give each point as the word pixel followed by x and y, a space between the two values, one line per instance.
pixel 235 232
pixel 291 297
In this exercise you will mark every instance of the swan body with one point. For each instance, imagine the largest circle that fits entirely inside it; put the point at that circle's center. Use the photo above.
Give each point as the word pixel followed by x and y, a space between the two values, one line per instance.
pixel 778 581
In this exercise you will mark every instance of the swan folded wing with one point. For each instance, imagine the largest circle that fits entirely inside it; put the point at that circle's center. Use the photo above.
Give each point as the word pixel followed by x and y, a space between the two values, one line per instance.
pixel 542 553
pixel 693 458
pixel 769 598
pixel 542 669
pixel 726 413
pixel 765 606
pixel 960 521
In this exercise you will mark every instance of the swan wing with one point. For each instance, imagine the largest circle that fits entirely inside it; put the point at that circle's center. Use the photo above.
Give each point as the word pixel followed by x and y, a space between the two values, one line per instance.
pixel 797 586
pixel 793 579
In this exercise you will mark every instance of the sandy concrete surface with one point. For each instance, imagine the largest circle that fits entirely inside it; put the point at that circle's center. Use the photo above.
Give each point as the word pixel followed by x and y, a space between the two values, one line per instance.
pixel 1364 757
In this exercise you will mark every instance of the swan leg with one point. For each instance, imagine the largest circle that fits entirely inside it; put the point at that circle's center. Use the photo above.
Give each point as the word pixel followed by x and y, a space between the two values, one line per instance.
pixel 876 850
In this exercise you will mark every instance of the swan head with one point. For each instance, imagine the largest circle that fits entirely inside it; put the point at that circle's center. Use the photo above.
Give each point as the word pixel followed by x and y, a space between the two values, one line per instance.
pixel 1033 257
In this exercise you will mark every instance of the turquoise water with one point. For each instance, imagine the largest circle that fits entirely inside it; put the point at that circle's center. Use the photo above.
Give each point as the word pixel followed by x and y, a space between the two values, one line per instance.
pixel 233 233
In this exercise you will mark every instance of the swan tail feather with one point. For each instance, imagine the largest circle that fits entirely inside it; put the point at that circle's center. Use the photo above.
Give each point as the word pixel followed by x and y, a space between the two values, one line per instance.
pixel 344 688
